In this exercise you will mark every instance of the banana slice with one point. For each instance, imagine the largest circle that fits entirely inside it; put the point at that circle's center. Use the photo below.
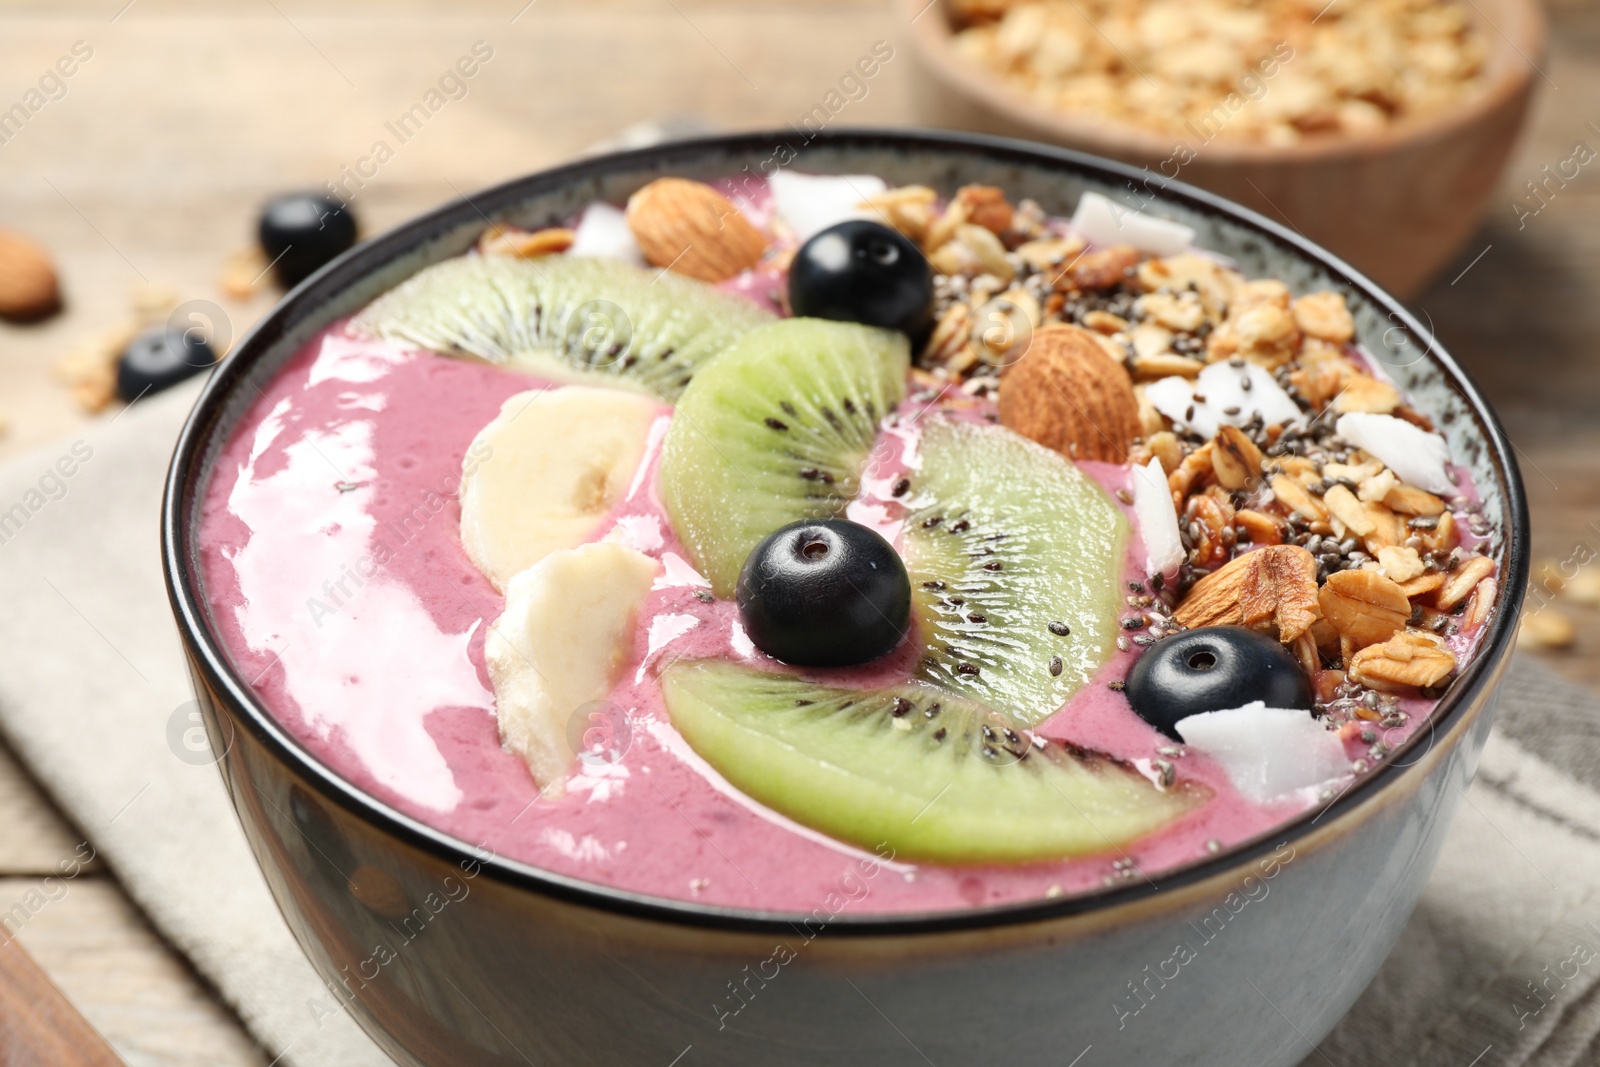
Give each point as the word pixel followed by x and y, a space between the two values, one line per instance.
pixel 558 647
pixel 542 475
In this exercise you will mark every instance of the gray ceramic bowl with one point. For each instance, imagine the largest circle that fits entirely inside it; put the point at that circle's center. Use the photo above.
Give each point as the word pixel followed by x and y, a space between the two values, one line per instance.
pixel 1245 958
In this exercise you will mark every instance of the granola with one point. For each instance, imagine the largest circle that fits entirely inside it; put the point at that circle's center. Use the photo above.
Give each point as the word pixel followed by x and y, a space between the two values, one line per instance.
pixel 1273 72
pixel 1286 526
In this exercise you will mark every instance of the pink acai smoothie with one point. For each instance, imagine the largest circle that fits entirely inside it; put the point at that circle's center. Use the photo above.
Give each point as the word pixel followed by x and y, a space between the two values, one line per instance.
pixel 335 572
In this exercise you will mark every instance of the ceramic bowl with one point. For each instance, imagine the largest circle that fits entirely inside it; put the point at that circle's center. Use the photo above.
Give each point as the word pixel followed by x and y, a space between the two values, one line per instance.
pixel 1398 204
pixel 449 955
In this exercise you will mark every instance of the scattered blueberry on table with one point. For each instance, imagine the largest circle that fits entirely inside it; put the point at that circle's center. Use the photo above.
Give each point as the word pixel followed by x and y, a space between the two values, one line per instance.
pixel 160 359
pixel 301 232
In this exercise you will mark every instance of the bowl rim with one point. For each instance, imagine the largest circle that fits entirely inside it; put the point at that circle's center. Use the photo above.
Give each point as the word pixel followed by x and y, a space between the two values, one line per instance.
pixel 212 668
pixel 933 39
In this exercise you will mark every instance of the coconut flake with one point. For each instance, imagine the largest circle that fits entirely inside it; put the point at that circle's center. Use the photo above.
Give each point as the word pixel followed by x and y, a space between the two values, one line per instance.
pixel 603 233
pixel 1222 386
pixel 810 203
pixel 1267 752
pixel 1418 457
pixel 1106 222
pixel 1158 520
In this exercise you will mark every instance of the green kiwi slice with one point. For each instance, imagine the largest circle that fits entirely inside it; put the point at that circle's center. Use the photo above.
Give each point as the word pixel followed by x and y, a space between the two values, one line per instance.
pixel 1015 557
pixel 776 430
pixel 935 776
pixel 566 318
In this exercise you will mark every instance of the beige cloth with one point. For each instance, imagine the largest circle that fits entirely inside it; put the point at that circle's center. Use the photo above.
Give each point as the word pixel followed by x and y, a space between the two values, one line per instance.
pixel 91 678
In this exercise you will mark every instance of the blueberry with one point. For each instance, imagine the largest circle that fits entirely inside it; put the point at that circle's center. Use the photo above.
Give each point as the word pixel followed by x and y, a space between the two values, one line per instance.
pixel 302 231
pixel 160 359
pixel 860 271
pixel 1214 668
pixel 829 593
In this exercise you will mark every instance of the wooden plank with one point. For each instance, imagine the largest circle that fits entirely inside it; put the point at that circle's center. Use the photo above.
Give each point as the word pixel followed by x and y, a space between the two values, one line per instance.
pixel 38 1026
pixel 137 992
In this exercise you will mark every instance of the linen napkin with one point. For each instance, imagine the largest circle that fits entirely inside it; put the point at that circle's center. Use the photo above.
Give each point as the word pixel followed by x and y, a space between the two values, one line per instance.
pixel 95 698
pixel 1497 968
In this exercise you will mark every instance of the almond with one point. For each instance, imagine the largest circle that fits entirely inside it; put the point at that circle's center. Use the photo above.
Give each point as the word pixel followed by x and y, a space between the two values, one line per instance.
pixel 1364 606
pixel 1068 395
pixel 1273 589
pixel 1410 658
pixel 28 288
pixel 693 229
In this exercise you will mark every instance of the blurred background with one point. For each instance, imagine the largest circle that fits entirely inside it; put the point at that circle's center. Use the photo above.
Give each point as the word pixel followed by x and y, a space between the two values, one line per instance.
pixel 138 178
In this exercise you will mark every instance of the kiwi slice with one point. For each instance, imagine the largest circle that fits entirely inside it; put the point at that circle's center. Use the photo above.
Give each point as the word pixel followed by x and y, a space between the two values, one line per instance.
pixel 776 430
pixel 566 318
pixel 1015 557
pixel 935 776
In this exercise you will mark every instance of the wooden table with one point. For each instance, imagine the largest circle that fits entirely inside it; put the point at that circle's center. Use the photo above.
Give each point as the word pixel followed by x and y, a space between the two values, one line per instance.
pixel 188 114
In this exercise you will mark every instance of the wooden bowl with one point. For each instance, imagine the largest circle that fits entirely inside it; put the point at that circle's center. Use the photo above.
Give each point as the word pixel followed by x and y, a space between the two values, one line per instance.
pixel 1397 205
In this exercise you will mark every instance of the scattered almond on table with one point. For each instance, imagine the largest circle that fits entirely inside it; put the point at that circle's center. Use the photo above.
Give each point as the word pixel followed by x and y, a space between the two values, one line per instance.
pixel 28 286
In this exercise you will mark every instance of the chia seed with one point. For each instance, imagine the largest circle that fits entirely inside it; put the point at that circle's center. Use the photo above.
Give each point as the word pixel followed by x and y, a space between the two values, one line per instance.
pixel 1060 629
pixel 1055 666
